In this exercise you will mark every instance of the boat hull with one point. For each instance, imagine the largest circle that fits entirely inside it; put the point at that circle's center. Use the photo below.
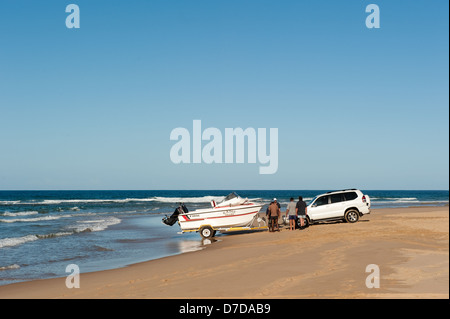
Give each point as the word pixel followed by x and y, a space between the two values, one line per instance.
pixel 219 218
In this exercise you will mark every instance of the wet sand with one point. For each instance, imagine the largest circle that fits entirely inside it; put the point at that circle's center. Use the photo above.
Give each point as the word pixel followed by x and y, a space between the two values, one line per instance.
pixel 410 247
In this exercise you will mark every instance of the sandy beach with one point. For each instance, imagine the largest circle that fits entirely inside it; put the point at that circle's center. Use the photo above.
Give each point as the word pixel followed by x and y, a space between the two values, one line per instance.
pixel 410 246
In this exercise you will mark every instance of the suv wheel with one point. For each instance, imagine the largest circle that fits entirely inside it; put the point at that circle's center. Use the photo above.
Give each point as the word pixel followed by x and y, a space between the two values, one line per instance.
pixel 306 223
pixel 351 216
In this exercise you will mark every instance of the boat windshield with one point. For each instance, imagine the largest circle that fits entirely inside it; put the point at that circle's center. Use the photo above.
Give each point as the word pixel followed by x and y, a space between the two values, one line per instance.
pixel 231 196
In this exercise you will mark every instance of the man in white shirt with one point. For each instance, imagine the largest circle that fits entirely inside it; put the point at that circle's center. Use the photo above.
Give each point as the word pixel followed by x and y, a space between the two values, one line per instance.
pixel 292 213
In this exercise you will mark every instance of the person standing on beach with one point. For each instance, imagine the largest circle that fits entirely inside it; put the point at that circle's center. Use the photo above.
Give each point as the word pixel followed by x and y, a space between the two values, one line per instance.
pixel 301 210
pixel 274 212
pixel 268 211
pixel 291 211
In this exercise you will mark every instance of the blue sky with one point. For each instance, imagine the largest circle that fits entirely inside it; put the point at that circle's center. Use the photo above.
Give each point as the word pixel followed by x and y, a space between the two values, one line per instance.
pixel 93 108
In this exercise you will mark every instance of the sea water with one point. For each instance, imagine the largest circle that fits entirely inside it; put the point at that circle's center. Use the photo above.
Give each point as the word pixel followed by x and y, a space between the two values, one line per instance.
pixel 42 232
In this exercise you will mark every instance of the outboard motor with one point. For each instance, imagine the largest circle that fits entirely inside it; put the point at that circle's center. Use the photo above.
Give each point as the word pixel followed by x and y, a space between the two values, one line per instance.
pixel 182 209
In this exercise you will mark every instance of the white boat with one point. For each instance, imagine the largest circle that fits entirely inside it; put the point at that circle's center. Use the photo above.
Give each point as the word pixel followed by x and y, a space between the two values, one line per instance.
pixel 233 213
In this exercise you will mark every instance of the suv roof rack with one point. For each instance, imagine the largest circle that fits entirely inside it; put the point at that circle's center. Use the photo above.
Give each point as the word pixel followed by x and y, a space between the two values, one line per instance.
pixel 342 190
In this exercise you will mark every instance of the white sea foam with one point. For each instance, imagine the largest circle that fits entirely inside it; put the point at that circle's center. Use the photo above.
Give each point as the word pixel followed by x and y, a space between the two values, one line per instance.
pixel 16 241
pixel 35 219
pixel 15 266
pixel 174 200
pixel 82 226
pixel 53 235
pixel 26 213
pixel 411 202
pixel 90 201
pixel 94 225
pixel 9 202
pixel 10 242
pixel 395 198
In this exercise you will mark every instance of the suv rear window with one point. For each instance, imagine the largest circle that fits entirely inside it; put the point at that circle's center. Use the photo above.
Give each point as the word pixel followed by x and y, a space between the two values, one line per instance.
pixel 350 196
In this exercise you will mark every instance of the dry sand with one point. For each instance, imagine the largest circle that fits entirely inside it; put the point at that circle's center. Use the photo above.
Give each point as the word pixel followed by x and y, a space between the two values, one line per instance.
pixel 409 245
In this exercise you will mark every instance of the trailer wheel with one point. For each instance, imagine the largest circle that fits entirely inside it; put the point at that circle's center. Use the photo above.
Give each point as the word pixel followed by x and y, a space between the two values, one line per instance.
pixel 206 232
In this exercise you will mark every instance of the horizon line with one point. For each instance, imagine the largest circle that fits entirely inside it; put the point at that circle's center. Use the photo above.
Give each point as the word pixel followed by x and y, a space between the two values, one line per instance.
pixel 218 189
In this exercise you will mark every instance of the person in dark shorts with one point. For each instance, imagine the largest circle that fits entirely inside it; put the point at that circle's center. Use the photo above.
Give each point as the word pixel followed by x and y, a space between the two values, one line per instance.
pixel 301 210
pixel 274 214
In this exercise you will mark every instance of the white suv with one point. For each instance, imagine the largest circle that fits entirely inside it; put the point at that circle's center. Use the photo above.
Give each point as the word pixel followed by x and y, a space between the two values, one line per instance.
pixel 348 204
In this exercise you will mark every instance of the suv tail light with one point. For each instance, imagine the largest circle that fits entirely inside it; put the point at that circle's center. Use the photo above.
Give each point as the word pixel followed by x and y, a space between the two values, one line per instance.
pixel 364 199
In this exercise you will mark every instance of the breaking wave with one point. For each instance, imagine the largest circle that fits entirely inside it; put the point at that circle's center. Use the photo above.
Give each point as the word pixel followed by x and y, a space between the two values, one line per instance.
pixel 80 227
pixel 94 225
pixel 35 219
pixel 10 242
pixel 26 213
pixel 14 266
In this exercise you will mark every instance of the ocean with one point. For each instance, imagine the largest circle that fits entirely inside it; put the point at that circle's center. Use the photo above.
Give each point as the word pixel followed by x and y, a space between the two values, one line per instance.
pixel 42 232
